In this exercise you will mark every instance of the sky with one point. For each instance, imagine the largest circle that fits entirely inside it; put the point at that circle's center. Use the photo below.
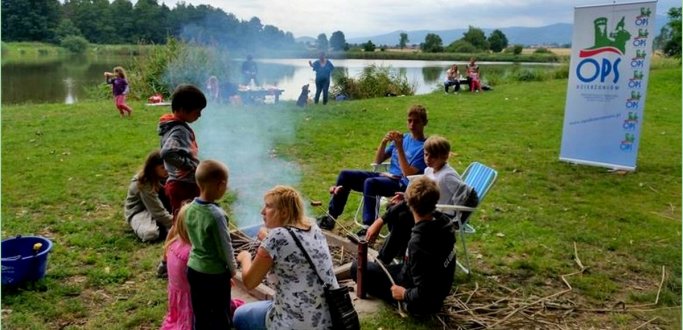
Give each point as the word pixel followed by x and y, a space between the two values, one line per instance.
pixel 360 18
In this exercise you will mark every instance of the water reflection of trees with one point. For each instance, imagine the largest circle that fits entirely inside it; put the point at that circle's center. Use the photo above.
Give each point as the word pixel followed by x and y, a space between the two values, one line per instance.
pixel 431 74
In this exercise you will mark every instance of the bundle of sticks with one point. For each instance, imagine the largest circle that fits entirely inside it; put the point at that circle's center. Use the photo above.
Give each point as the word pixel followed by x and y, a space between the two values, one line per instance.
pixel 241 242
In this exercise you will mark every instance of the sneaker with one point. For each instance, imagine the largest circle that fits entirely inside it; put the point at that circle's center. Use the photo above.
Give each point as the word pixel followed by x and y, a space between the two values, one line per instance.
pixel 162 270
pixel 361 233
pixel 325 222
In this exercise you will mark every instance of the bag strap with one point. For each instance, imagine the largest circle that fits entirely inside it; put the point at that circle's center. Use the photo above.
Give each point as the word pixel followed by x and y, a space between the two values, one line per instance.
pixel 298 243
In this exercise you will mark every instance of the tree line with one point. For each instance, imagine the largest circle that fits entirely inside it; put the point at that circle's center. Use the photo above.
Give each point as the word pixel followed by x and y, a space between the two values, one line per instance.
pixel 121 22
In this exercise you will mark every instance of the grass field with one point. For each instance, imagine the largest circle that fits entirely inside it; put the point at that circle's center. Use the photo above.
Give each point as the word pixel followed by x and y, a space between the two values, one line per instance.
pixel 66 170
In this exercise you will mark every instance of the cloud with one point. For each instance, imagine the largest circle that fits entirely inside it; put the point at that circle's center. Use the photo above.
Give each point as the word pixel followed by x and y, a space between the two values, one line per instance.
pixel 359 18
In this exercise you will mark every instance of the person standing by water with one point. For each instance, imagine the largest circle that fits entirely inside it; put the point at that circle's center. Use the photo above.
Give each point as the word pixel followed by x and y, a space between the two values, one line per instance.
pixel 120 89
pixel 323 70
pixel 249 70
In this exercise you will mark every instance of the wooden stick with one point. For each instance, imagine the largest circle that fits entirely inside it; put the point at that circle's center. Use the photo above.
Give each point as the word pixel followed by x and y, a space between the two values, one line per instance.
pixel 381 265
pixel 646 323
pixel 576 258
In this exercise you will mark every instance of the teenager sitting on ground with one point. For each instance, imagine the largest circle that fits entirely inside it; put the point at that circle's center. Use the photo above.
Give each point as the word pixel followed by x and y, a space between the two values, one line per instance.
pixel 425 278
pixel 407 158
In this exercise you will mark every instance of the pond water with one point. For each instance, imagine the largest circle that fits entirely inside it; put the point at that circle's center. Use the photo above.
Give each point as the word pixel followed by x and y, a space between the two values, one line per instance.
pixel 65 80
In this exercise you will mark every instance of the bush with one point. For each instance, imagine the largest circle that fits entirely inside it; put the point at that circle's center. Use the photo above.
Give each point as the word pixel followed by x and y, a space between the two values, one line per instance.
pixel 172 64
pixel 542 50
pixel 461 46
pixel 75 44
pixel 514 49
pixel 374 81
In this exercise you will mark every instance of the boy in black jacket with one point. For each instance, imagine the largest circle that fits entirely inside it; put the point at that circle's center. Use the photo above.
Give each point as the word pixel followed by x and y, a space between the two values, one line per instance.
pixel 425 278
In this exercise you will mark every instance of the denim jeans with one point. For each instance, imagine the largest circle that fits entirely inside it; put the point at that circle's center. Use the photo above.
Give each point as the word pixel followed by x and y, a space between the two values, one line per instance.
pixel 371 184
pixel 252 316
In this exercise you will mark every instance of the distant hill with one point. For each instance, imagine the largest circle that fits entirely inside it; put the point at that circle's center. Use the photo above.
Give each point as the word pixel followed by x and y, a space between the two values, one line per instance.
pixel 559 33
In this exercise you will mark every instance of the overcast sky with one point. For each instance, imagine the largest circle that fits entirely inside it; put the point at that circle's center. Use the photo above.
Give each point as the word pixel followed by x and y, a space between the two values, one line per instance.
pixel 359 18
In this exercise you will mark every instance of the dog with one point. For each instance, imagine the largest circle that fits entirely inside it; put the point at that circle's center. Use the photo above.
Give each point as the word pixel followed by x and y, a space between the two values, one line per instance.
pixel 303 97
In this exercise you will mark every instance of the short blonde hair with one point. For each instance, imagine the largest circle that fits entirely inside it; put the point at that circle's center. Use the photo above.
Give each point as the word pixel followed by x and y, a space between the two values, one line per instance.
pixel 420 112
pixel 437 146
pixel 289 205
pixel 210 171
pixel 422 195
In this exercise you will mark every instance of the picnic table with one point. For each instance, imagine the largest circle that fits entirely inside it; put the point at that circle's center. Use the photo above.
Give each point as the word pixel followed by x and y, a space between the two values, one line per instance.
pixel 251 94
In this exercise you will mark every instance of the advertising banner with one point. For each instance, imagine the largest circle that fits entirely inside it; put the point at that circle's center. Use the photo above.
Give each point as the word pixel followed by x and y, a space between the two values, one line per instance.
pixel 608 75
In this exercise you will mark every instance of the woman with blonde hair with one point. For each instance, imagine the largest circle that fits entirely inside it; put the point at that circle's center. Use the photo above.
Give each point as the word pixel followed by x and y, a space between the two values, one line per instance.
pixel 299 301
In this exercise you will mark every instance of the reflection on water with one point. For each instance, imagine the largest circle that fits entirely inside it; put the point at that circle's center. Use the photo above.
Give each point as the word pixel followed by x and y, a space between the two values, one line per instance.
pixel 70 97
pixel 65 80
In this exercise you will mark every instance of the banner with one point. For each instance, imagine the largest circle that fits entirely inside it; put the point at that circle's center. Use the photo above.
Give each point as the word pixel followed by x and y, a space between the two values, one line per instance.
pixel 608 75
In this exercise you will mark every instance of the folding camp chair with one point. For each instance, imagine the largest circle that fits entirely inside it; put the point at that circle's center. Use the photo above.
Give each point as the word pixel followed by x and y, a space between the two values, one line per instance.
pixel 358 216
pixel 481 178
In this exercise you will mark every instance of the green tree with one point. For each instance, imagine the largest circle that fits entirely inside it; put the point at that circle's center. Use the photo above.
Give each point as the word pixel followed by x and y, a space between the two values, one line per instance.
pixel 369 46
pixel 322 43
pixel 672 46
pixel 66 28
pixel 476 37
pixel 497 41
pixel 75 44
pixel 150 21
pixel 29 20
pixel 517 49
pixel 122 19
pixel 432 44
pixel 338 41
pixel 403 40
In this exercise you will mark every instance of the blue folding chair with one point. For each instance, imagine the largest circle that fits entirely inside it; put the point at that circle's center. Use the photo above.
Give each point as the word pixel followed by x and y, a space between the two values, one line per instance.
pixel 481 178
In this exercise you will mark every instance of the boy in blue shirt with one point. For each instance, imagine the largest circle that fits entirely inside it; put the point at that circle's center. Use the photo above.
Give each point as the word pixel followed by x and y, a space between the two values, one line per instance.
pixel 406 152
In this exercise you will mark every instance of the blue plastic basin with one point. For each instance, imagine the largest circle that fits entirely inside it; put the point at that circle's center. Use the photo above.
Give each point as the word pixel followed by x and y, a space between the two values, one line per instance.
pixel 20 263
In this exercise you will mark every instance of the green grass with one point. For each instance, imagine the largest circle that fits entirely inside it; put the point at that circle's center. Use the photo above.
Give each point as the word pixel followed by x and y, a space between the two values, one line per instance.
pixel 66 168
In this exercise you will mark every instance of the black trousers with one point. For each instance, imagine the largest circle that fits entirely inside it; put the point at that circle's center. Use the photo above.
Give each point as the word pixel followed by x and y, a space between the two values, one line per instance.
pixel 375 280
pixel 210 299
pixel 400 221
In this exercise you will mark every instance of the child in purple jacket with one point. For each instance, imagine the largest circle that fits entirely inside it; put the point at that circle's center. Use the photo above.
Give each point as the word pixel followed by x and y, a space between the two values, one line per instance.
pixel 120 89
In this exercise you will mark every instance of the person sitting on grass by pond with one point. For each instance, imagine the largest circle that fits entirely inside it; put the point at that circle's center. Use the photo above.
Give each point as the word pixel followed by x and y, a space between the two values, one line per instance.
pixel 120 89
pixel 179 315
pixel 144 207
pixel 299 301
pixel 425 278
pixel 407 158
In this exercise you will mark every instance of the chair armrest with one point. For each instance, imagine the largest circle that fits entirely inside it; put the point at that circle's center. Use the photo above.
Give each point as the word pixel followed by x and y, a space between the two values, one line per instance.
pixel 447 207
pixel 413 177
pixel 382 167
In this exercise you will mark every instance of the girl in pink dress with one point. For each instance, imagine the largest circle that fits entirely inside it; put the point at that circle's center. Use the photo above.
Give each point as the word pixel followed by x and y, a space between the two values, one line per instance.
pixel 179 315
pixel 177 250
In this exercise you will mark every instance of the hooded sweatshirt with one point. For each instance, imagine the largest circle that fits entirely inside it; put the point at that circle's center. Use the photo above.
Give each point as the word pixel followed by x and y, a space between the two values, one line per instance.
pixel 179 148
pixel 428 272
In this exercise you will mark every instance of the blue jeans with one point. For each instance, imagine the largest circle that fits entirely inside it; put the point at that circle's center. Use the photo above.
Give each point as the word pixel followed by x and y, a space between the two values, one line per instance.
pixel 321 85
pixel 252 315
pixel 371 184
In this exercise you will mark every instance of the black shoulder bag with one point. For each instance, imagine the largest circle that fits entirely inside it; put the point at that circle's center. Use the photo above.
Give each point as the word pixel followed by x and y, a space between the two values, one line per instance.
pixel 344 316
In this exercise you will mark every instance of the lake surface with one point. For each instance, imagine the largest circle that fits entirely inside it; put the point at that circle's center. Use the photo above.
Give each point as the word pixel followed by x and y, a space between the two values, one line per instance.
pixel 65 80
